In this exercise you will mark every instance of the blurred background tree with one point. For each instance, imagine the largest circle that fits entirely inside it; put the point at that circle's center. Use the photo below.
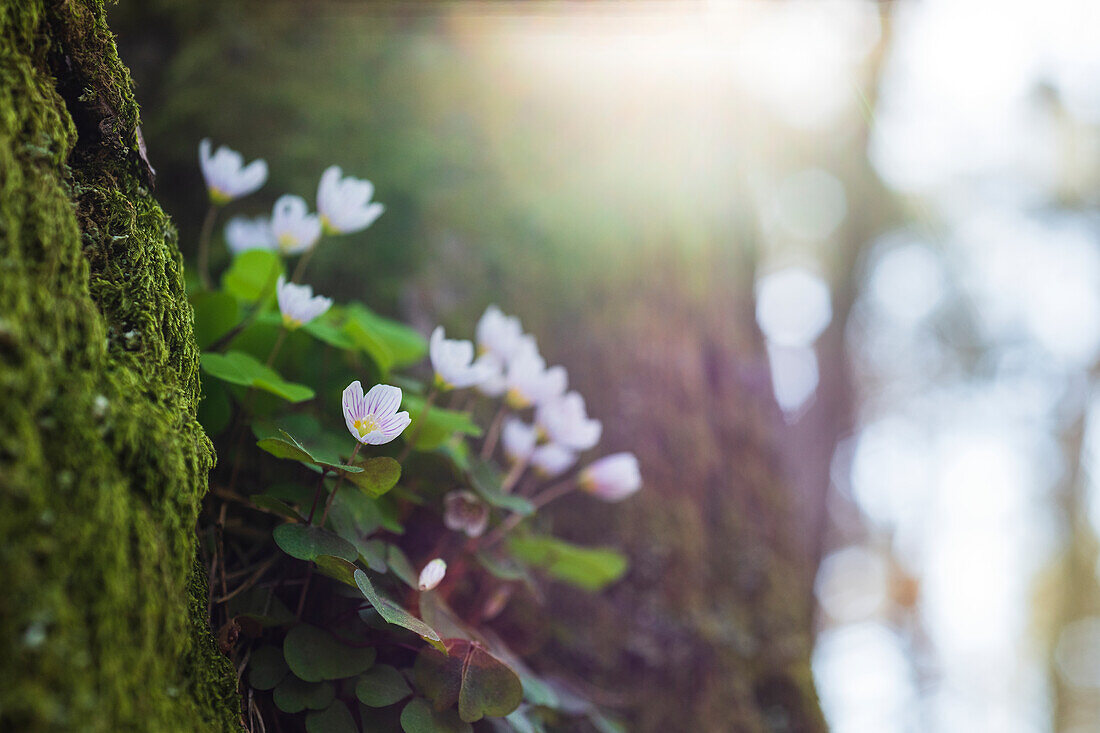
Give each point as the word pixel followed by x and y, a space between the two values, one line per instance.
pixel 831 268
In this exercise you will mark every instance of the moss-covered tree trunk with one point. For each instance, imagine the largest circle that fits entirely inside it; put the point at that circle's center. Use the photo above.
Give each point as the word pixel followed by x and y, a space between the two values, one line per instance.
pixel 102 462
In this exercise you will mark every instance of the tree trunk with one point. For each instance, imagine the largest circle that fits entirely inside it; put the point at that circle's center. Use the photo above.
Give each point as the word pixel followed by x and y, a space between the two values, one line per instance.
pixel 102 461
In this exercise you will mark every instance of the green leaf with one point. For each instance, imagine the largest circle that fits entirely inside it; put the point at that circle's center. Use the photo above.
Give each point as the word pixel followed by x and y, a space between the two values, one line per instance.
pixel 439 425
pixel 396 344
pixel 504 568
pixel 252 275
pixel 588 568
pixel 394 613
pixel 286 446
pixel 216 314
pixel 294 695
pixel 401 567
pixel 468 674
pixel 266 668
pixel 336 568
pixel 419 717
pixel 314 655
pixel 237 367
pixel 376 476
pixel 324 331
pixel 306 542
pixel 486 481
pixel 373 553
pixel 276 506
pixel 336 718
pixel 380 686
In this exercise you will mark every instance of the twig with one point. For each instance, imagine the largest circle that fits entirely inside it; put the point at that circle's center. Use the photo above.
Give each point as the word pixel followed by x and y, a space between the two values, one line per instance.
pixel 494 433
pixel 420 420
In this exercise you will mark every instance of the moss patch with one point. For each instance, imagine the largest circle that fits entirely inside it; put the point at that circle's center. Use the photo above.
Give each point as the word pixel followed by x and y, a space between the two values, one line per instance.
pixel 102 462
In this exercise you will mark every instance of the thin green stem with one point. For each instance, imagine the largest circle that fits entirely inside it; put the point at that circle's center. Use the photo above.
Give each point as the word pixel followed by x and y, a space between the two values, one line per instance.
pixel 339 482
pixel 556 491
pixel 300 269
pixel 204 246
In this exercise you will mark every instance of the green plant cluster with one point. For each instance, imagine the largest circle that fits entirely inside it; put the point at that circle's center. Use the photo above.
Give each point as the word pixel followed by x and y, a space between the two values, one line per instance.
pixel 313 542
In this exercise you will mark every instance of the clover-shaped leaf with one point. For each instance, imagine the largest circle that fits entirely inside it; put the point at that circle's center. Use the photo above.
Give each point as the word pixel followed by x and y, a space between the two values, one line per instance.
pixel 284 445
pixel 377 475
pixel 314 655
pixel 293 695
pixel 307 542
pixel 419 717
pixel 237 367
pixel 486 480
pixel 336 718
pixel 468 675
pixel 381 685
pixel 394 613
pixel 266 668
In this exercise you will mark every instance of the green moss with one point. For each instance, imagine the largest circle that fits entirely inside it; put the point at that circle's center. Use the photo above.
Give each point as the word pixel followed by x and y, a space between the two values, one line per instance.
pixel 102 462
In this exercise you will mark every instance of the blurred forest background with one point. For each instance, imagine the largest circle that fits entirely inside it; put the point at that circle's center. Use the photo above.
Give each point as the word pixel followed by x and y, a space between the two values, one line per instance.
pixel 849 246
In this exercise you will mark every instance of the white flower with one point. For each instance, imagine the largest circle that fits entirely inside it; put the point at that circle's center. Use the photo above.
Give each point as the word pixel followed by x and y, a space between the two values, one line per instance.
pixel 550 460
pixel 453 362
pixel 463 511
pixel 432 574
pixel 566 422
pixel 528 381
pixel 298 304
pixel 226 175
pixel 612 478
pixel 495 385
pixel 518 439
pixel 345 203
pixel 295 229
pixel 499 334
pixel 373 418
pixel 242 234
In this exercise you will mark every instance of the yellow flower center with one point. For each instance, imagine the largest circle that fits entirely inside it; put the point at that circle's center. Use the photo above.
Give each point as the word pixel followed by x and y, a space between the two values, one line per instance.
pixel 290 322
pixel 516 399
pixel 219 197
pixel 365 425
pixel 286 241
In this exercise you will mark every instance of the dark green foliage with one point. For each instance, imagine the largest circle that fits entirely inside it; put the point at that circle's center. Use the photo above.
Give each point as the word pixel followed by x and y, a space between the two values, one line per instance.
pixel 102 460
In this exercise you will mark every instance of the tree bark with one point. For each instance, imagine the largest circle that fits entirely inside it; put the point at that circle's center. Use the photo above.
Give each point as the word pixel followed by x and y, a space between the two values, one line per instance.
pixel 102 461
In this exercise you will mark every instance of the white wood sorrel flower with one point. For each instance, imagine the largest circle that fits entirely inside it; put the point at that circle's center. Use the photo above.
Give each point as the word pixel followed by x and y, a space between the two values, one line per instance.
pixel 498 334
pixel 243 234
pixel 518 439
pixel 345 203
pixel 295 229
pixel 528 381
pixel 454 364
pixel 432 574
pixel 226 175
pixel 551 460
pixel 373 418
pixel 463 511
pixel 566 422
pixel 612 478
pixel 298 304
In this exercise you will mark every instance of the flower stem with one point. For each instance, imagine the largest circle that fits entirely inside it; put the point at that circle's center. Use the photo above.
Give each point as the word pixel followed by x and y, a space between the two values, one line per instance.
pixel 204 246
pixel 494 433
pixel 420 419
pixel 278 345
pixel 339 481
pixel 556 491
pixel 300 269
pixel 514 475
